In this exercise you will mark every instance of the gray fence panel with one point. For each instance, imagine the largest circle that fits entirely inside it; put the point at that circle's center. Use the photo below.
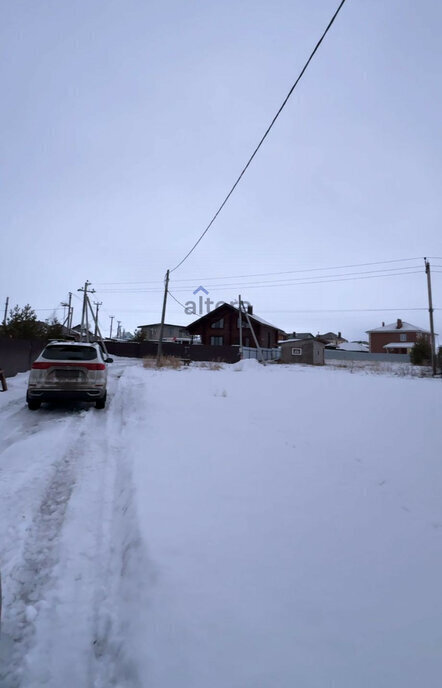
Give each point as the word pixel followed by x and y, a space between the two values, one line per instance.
pixel 267 354
pixel 338 355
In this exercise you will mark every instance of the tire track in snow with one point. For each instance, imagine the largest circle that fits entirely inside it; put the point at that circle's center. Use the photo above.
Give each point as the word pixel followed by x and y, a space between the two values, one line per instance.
pixel 104 547
pixel 127 567
pixel 34 573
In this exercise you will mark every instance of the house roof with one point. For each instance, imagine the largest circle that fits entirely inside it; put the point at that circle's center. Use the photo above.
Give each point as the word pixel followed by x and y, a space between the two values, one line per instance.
pixel 182 327
pixel 399 345
pixel 332 336
pixel 252 316
pixel 392 327
pixel 353 346
pixel 299 340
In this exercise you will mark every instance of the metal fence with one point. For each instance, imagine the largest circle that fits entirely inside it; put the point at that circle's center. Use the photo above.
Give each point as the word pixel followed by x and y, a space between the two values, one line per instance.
pixel 340 355
pixel 267 354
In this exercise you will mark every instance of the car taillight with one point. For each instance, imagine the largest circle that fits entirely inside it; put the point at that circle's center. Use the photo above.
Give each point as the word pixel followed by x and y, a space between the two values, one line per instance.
pixel 44 365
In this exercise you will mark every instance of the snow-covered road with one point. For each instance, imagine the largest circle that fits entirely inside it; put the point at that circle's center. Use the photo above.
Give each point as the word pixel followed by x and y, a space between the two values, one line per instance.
pixel 235 528
pixel 68 534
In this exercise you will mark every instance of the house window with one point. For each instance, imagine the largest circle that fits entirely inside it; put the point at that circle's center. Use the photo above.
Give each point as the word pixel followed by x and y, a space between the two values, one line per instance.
pixel 216 341
pixel 402 337
pixel 296 352
pixel 218 325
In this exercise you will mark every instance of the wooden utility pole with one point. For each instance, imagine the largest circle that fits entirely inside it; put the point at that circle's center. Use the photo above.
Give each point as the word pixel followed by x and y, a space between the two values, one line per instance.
pixel 84 328
pixel 112 321
pixel 97 304
pixel 430 310
pixel 70 311
pixel 163 315
pixel 97 328
pixel 240 327
pixel 6 312
pixel 261 356
pixel 67 319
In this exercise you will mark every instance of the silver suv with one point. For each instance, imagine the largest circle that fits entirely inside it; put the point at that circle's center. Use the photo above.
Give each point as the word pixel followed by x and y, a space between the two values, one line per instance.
pixel 68 371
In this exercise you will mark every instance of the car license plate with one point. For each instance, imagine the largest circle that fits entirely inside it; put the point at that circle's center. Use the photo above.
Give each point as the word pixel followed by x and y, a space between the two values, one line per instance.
pixel 67 374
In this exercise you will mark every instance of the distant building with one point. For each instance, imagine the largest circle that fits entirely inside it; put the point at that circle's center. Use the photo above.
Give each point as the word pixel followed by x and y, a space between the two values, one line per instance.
pixel 170 332
pixel 301 335
pixel 77 333
pixel 302 351
pixel 396 338
pixel 331 339
pixel 221 327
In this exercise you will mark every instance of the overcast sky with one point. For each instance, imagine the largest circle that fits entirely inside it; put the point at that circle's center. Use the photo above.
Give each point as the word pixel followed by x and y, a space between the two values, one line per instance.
pixel 125 123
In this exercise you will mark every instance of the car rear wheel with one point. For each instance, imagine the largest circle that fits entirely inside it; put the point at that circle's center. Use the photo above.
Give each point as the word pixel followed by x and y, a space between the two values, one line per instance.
pixel 100 403
pixel 34 405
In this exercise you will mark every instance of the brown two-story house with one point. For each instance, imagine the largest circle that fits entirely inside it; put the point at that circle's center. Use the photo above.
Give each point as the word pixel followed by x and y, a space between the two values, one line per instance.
pixel 221 327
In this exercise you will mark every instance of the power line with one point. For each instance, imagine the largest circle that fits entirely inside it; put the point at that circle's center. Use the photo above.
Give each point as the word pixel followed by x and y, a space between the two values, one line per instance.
pixel 268 274
pixel 320 277
pixel 284 282
pixel 323 279
pixel 287 272
pixel 347 310
pixel 175 299
pixel 263 138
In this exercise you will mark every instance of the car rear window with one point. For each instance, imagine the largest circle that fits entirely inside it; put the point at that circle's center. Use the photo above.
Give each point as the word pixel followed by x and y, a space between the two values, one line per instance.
pixel 69 353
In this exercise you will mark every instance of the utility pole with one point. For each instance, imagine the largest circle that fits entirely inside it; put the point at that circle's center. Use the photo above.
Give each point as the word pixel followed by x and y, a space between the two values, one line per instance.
pixel 112 321
pixel 84 328
pixel 67 319
pixel 261 356
pixel 163 315
pixel 97 328
pixel 240 327
pixel 118 329
pixel 70 312
pixel 6 312
pixel 430 310
pixel 98 304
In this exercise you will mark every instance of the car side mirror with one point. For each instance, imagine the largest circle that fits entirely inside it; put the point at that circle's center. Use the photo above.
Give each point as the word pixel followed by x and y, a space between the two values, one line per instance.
pixel 109 360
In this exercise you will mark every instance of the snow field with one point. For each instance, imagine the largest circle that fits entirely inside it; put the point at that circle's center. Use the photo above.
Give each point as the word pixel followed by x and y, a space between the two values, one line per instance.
pixel 294 526
pixel 249 526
